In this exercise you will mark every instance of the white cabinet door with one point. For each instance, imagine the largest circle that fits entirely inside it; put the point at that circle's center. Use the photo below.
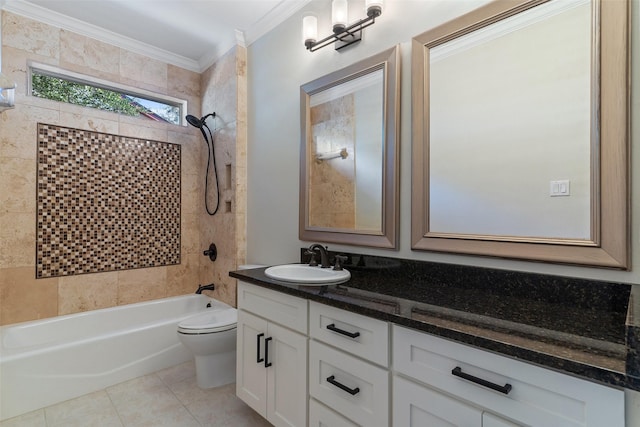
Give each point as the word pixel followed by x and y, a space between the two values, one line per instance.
pixel 272 370
pixel 271 359
pixel 286 353
pixel 417 406
pixel 251 376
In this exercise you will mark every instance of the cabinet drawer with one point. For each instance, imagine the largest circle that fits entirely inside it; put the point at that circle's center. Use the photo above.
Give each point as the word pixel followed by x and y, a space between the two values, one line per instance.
pixel 280 308
pixel 352 387
pixel 360 335
pixel 321 416
pixel 418 406
pixel 537 396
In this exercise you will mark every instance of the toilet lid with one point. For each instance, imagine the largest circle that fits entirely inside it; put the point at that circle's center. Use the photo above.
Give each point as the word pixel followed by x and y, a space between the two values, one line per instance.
pixel 213 320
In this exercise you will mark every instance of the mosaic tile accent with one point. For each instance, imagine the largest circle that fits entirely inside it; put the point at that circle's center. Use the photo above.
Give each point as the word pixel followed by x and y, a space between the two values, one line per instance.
pixel 105 202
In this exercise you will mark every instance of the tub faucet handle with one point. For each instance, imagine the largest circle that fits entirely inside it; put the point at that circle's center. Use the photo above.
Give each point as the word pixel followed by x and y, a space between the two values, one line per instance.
pixel 212 252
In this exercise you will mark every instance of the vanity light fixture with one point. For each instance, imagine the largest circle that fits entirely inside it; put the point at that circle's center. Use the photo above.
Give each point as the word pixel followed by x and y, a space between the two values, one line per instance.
pixel 344 34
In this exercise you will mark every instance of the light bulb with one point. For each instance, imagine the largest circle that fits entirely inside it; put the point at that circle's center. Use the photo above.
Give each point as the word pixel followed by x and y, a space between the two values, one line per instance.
pixel 339 15
pixel 309 30
pixel 374 7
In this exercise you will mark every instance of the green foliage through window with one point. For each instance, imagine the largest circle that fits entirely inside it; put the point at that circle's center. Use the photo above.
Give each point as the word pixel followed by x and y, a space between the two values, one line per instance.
pixel 71 92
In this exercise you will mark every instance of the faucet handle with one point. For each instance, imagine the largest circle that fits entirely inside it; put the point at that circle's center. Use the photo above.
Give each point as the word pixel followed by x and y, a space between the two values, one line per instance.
pixel 339 260
pixel 312 261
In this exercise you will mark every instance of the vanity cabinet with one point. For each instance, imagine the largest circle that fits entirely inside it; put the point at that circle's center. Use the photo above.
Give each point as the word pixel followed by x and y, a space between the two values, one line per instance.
pixel 348 368
pixel 437 379
pixel 302 363
pixel 271 371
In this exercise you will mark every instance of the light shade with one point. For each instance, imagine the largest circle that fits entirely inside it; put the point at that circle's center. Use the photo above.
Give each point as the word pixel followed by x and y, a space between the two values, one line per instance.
pixel 374 7
pixel 339 15
pixel 309 29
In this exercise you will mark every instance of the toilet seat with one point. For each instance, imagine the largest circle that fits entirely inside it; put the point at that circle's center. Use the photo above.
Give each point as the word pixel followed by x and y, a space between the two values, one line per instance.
pixel 209 322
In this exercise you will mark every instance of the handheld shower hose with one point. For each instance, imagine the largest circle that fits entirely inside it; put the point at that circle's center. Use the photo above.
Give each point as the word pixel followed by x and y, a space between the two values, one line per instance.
pixel 201 124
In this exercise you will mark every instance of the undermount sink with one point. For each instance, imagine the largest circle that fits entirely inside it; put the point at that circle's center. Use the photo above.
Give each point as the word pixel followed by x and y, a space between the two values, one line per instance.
pixel 303 274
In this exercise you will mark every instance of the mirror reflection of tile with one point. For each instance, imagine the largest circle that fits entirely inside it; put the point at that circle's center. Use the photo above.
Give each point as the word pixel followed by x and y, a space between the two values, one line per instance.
pixel 105 202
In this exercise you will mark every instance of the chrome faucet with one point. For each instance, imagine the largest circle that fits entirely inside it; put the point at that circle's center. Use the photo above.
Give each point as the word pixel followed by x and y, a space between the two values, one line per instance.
pixel 324 255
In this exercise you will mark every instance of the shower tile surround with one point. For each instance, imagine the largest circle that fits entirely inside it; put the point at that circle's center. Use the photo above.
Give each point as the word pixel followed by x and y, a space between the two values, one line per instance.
pixel 105 202
pixel 332 182
pixel 224 92
pixel 585 328
pixel 222 88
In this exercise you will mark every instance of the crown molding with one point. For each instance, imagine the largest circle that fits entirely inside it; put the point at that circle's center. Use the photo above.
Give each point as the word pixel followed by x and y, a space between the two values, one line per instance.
pixel 55 19
pixel 285 9
pixel 499 29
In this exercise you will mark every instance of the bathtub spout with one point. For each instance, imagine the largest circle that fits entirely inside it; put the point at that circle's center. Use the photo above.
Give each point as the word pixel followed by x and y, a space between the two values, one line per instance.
pixel 209 287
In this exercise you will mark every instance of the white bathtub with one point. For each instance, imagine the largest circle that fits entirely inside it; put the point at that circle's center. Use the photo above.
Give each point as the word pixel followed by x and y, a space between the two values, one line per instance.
pixel 47 361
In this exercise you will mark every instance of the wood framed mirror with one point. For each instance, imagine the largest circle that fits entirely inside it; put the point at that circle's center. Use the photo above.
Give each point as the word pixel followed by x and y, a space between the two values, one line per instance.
pixel 521 133
pixel 349 154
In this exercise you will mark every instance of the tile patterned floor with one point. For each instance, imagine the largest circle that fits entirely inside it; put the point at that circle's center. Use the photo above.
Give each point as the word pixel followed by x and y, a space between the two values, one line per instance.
pixel 168 398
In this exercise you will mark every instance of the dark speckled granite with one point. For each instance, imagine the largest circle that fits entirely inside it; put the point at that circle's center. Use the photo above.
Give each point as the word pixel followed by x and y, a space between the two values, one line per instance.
pixel 575 326
pixel 633 338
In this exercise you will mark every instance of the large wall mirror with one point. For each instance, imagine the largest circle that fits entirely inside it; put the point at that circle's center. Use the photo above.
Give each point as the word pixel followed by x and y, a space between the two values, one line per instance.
pixel 520 133
pixel 348 154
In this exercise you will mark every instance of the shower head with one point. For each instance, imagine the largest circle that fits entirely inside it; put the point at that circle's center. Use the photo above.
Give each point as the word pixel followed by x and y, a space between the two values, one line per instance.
pixel 194 121
pixel 198 122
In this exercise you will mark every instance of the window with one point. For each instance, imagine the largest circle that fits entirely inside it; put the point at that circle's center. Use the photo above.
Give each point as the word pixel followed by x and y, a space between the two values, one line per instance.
pixel 64 86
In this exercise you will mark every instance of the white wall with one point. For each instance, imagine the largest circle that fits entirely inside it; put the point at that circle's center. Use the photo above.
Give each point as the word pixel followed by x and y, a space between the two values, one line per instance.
pixel 279 65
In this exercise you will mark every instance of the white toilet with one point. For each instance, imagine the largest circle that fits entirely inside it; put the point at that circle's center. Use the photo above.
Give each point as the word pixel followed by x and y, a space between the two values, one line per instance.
pixel 211 337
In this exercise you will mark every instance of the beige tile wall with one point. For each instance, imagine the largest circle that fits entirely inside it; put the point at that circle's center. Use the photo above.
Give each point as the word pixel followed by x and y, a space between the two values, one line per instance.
pixel 223 86
pixel 332 201
pixel 22 297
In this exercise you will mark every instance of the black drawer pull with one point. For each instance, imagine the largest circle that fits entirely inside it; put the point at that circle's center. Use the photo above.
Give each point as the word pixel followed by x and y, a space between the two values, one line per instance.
pixel 258 358
pixel 266 352
pixel 351 391
pixel 332 327
pixel 457 371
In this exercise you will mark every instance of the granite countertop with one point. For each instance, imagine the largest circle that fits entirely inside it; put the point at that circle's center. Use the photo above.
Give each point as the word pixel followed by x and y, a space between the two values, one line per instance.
pixel 580 327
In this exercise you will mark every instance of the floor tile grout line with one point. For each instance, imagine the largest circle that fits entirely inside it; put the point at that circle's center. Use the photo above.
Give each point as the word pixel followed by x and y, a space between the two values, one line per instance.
pixel 113 404
pixel 180 400
pixel 169 382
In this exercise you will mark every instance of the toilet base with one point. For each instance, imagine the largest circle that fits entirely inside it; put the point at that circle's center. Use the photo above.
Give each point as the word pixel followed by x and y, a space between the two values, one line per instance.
pixel 216 370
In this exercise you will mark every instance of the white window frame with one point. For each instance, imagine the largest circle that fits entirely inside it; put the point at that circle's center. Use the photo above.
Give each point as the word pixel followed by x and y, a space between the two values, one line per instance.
pixel 53 71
